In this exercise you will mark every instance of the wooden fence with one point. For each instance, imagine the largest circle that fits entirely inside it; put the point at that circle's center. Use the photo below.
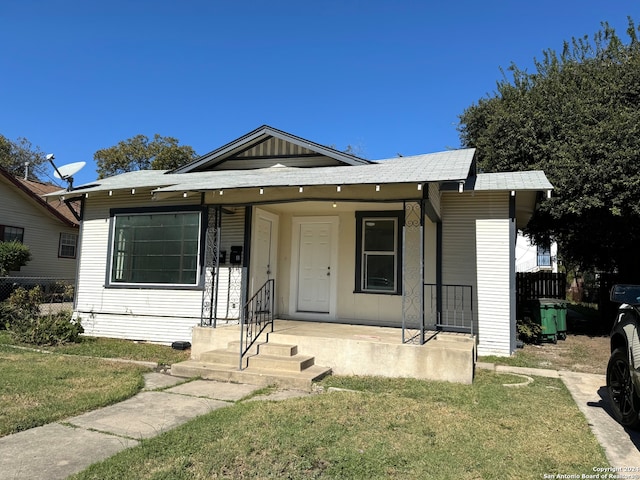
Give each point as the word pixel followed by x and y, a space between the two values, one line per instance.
pixel 532 285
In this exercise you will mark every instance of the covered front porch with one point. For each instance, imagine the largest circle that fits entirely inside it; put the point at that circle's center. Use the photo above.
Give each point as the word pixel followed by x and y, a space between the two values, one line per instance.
pixel 315 349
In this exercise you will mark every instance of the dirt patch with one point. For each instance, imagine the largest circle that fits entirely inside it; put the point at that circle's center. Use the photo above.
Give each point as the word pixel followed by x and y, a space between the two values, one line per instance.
pixel 578 353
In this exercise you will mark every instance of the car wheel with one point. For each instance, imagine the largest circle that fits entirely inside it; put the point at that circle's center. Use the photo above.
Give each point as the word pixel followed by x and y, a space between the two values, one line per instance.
pixel 624 399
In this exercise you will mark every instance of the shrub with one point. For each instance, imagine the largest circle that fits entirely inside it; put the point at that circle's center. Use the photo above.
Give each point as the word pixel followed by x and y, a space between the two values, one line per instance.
pixel 53 329
pixel 528 330
pixel 13 255
pixel 21 317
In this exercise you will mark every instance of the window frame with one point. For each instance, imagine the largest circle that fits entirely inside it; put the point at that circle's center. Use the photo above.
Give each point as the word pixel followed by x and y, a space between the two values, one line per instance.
pixel 202 222
pixel 361 217
pixel 3 233
pixel 543 255
pixel 61 244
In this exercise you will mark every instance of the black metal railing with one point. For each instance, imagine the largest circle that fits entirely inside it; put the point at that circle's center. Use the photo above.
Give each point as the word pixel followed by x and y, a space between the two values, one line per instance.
pixel 257 315
pixel 449 307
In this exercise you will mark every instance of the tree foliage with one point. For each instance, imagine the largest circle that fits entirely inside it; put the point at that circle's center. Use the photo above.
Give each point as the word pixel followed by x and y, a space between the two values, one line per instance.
pixel 578 119
pixel 140 153
pixel 14 155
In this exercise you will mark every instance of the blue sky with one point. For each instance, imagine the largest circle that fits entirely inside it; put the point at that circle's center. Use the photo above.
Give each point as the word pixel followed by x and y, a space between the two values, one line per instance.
pixel 387 77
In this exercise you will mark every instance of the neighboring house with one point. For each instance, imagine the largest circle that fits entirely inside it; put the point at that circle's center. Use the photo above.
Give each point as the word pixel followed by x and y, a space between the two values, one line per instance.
pixel 412 242
pixel 535 258
pixel 50 230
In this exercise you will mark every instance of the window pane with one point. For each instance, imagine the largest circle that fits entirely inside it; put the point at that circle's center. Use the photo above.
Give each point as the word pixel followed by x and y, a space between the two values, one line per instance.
pixel 68 242
pixel 12 234
pixel 156 248
pixel 379 235
pixel 379 272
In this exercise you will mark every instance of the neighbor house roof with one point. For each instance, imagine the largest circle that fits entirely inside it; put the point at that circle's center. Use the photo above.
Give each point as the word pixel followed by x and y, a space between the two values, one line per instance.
pixel 36 191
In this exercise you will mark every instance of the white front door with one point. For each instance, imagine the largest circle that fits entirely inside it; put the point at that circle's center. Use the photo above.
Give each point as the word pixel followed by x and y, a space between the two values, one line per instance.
pixel 264 248
pixel 316 273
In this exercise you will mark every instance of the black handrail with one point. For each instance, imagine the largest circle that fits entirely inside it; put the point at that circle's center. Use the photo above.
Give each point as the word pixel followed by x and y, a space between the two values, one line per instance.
pixel 449 307
pixel 257 315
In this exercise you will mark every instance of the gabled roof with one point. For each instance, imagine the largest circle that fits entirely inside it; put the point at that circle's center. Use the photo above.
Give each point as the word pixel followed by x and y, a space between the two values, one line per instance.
pixel 267 157
pixel 267 142
pixel 36 190
pixel 434 167
pixel 453 165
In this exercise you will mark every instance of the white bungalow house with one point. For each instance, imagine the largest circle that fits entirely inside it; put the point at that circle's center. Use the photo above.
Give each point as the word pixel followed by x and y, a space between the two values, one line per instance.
pixel 384 260
pixel 49 229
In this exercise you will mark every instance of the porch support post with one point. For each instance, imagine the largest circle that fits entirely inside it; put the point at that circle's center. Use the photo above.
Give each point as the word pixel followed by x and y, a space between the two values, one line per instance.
pixel 413 273
pixel 438 274
pixel 209 312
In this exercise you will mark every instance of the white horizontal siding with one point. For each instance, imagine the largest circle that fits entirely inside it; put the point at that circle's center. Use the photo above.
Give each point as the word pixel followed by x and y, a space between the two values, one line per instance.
pixel 134 327
pixel 460 258
pixel 496 326
pixel 232 230
pixel 41 234
pixel 138 313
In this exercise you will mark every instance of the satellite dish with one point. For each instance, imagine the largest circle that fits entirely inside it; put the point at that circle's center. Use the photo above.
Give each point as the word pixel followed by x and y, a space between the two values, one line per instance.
pixel 65 172
pixel 68 170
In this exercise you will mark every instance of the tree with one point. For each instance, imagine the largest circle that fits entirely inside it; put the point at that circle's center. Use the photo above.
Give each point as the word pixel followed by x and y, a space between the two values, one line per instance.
pixel 13 255
pixel 14 155
pixel 578 119
pixel 139 153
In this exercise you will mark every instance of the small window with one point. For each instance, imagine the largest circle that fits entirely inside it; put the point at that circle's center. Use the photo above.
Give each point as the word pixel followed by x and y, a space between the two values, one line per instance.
pixel 155 248
pixel 67 246
pixel 544 256
pixel 11 234
pixel 378 252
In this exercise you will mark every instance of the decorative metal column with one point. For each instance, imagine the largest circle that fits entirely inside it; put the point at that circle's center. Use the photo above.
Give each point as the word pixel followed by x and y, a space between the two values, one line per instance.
pixel 413 274
pixel 211 271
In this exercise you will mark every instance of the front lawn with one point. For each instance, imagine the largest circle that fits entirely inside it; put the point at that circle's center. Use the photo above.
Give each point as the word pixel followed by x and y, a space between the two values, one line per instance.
pixel 388 428
pixel 39 388
pixel 114 348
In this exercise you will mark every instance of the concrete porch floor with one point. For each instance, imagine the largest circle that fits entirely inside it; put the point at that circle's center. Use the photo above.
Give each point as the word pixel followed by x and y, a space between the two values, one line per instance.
pixel 359 349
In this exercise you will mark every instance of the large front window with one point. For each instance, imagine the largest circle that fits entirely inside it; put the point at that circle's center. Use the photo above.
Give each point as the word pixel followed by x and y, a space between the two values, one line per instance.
pixel 378 252
pixel 156 248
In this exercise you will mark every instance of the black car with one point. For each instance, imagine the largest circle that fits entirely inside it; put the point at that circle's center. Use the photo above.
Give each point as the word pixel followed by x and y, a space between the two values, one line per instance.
pixel 623 370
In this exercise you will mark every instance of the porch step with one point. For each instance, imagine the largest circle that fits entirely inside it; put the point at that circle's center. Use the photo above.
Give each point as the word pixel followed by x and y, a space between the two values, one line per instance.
pixel 296 363
pixel 266 364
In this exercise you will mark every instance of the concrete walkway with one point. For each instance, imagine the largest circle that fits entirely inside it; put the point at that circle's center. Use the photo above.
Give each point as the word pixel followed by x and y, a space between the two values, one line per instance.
pixel 589 391
pixel 60 449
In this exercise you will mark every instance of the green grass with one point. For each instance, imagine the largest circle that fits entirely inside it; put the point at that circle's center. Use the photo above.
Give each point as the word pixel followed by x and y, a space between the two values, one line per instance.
pixel 518 359
pixel 389 428
pixel 115 348
pixel 39 388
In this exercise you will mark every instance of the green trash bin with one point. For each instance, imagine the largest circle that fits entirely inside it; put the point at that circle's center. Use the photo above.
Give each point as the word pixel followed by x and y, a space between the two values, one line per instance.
pixel 543 312
pixel 561 319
